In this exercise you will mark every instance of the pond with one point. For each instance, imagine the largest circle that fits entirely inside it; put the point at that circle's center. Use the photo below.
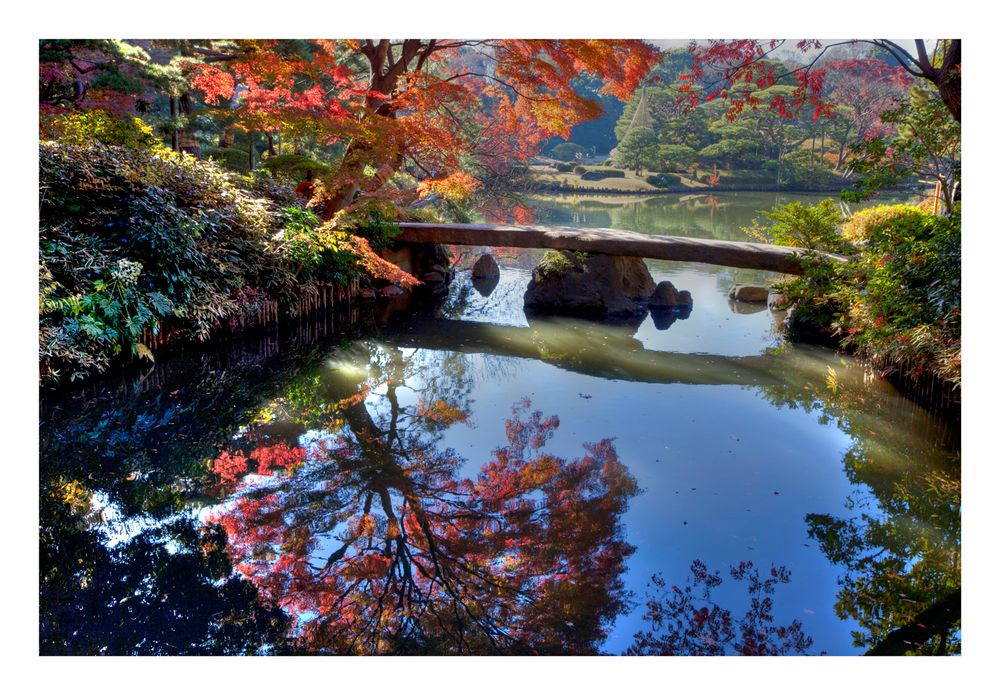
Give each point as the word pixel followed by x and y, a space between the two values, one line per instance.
pixel 455 478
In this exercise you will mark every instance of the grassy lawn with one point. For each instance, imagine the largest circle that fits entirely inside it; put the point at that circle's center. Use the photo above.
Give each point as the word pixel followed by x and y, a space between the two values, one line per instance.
pixel 630 184
pixel 729 180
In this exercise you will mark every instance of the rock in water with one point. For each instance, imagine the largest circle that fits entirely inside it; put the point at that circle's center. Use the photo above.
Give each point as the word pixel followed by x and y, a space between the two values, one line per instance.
pixel 596 285
pixel 666 295
pixel 748 293
pixel 486 267
pixel 778 301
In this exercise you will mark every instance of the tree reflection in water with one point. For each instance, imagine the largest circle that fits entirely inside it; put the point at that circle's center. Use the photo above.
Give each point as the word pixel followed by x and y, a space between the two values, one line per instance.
pixel 348 527
pixel 685 622
pixel 899 544
pixel 374 541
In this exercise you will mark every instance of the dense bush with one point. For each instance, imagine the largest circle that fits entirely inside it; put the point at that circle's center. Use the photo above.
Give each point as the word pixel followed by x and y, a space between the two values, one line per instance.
pixel 95 126
pixel 907 306
pixel 564 167
pixel 579 170
pixel 130 236
pixel 598 174
pixel 896 300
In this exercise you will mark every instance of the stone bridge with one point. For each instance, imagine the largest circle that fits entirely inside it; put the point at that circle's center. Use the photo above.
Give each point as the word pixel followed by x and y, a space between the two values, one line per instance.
pixel 613 242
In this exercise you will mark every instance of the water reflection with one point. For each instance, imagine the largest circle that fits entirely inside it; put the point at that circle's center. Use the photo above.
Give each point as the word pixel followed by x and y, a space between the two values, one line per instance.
pixel 899 543
pixel 125 567
pixel 664 317
pixel 738 307
pixel 327 517
pixel 375 543
pixel 485 286
pixel 709 216
pixel 688 622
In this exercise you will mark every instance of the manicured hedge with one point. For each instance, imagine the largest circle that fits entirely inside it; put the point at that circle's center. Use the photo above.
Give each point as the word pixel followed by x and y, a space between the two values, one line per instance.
pixel 664 180
pixel 598 174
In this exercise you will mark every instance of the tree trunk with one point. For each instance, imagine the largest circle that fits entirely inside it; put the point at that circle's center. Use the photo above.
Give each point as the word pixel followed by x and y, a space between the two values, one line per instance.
pixel 950 89
pixel 948 79
pixel 173 123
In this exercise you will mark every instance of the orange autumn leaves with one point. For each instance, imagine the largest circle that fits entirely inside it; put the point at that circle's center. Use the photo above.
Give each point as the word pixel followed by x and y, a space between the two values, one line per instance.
pixel 447 114
pixel 268 459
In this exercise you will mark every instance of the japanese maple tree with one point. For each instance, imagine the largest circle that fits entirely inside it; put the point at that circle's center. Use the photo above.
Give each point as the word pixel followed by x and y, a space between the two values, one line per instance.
pixel 444 109
pixel 735 69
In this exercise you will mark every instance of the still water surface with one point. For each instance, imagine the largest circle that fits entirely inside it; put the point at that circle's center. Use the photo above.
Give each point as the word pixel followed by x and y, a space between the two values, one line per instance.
pixel 459 479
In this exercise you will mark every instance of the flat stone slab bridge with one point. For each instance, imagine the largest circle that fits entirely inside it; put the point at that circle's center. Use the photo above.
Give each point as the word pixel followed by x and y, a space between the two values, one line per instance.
pixel 613 242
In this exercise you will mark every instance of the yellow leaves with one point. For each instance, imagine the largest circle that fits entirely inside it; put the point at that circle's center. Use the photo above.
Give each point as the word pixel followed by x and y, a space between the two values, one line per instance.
pixel 862 223
pixel 454 187
pixel 144 352
pixel 97 126
pixel 76 495
pixel 831 380
pixel 263 416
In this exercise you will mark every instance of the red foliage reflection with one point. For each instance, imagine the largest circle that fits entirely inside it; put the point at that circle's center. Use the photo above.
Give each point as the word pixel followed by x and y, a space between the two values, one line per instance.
pixel 377 544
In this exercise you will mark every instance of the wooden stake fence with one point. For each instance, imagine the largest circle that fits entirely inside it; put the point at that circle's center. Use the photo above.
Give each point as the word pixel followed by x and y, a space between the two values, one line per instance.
pixel 320 299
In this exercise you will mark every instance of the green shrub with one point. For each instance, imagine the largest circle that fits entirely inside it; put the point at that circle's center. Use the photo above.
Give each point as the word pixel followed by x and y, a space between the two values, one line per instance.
pixel 129 237
pixel 815 227
pixel 896 300
pixel 566 151
pixel 599 174
pixel 317 253
pixel 564 167
pixel 231 157
pixel 664 180
pixel 579 169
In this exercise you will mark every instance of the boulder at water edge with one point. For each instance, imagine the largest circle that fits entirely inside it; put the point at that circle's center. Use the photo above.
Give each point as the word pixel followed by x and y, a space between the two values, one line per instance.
pixel 591 285
pixel 748 293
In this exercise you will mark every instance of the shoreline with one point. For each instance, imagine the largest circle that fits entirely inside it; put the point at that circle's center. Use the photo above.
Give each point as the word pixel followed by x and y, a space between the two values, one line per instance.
pixel 681 190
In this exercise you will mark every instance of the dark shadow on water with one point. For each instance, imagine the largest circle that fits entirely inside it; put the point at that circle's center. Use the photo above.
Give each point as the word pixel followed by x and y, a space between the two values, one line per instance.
pixel 665 317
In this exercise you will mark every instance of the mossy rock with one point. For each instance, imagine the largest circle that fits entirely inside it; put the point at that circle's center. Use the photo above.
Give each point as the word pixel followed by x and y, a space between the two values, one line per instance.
pixel 597 285
pixel 556 264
